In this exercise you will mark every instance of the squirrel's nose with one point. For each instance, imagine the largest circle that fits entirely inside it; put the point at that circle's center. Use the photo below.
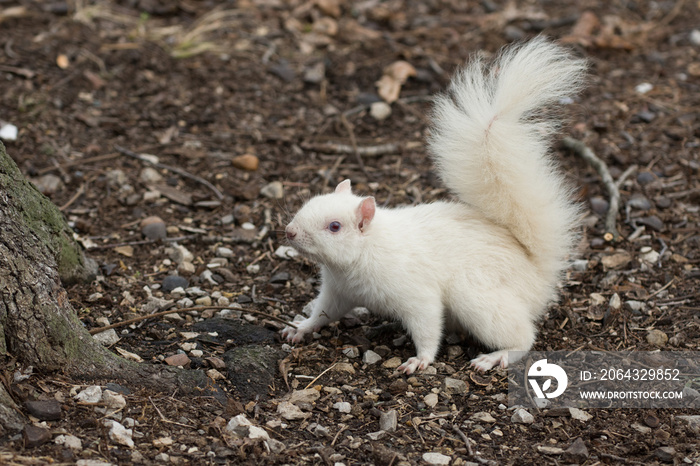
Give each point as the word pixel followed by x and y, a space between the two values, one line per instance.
pixel 290 233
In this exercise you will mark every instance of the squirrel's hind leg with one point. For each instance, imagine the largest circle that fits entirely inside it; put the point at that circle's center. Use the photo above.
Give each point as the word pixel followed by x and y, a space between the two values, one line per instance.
pixel 424 324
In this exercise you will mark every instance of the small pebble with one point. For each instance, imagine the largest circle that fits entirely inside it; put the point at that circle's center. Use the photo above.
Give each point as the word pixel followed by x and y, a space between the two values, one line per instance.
pixel 172 282
pixel 522 416
pixel 179 359
pixel 247 162
pixel 273 190
pixel 436 458
pixel 645 178
pixel 370 357
pixel 153 228
pixel 431 400
pixel 388 421
pixel 657 338
pixel 49 410
pixel 8 132
pixel 380 111
pixel 343 406
pixel 35 436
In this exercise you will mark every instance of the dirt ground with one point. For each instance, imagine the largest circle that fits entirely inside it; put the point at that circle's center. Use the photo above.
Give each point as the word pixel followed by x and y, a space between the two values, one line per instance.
pixel 251 107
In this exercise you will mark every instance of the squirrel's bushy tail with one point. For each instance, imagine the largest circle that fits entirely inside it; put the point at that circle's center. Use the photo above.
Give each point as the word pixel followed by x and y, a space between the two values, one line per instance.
pixel 490 141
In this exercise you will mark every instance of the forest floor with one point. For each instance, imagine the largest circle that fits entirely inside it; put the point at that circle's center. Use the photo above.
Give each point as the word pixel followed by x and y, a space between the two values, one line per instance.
pixel 251 107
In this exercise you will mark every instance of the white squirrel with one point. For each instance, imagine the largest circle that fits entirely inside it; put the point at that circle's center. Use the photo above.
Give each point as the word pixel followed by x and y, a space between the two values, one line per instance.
pixel 487 264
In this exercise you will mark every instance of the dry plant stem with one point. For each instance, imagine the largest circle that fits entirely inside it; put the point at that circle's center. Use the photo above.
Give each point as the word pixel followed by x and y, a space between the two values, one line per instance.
pixel 583 151
pixel 185 309
pixel 464 438
pixel 179 171
pixel 351 133
pixel 367 151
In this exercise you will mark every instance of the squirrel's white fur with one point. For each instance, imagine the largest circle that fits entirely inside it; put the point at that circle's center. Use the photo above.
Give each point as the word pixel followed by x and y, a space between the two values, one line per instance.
pixel 488 264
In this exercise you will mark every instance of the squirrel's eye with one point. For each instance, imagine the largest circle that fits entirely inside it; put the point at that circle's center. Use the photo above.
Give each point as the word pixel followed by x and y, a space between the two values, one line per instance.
pixel 334 227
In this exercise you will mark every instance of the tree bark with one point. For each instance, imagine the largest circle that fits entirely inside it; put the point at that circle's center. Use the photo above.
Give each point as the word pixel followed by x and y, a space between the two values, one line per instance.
pixel 38 326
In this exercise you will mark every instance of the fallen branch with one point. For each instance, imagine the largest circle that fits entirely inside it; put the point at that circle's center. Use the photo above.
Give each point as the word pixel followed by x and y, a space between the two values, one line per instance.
pixel 367 151
pixel 124 323
pixel 583 151
pixel 179 171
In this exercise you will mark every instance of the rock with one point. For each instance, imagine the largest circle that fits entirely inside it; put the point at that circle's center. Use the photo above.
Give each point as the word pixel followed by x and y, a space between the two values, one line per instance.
pixel 635 306
pixel 645 177
pixel 596 299
pixel 652 421
pixel 280 278
pixel 154 228
pixel 252 369
pixel 693 422
pixel 652 222
pixel 342 406
pixel 286 252
pixel 392 363
pixel 522 416
pixel 599 205
pixel 344 367
pixel 35 436
pixel 309 395
pixel 431 400
pixel 180 254
pixel 455 386
pixel 617 260
pixel 315 74
pixel 320 431
pixel 657 338
pixel 695 37
pixel 247 162
pixel 241 427
pixel 639 202
pixel 615 302
pixel 371 358
pixel 8 132
pixel 107 338
pixel 482 416
pixel 377 435
pixel 120 434
pixel 388 421
pixel 549 450
pixel 273 190
pixel 150 175
pixel 351 352
pixel 113 401
pixel 90 395
pixel 178 359
pixel 577 451
pixel 48 184
pixel 436 458
pixel 580 414
pixel 380 110
pixel 49 410
pixel 171 282
pixel 647 254
pixel 640 428
pixel 579 265
pixel 69 441
pixel 291 412
pixel 665 454
pixel 398 387
pixel 224 252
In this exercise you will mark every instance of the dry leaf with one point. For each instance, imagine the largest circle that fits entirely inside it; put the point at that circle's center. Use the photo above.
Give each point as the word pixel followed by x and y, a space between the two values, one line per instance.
pixel 128 355
pixel 127 251
pixel 389 86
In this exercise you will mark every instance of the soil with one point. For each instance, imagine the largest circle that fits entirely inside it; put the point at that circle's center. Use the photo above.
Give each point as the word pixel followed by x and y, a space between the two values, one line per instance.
pixel 198 84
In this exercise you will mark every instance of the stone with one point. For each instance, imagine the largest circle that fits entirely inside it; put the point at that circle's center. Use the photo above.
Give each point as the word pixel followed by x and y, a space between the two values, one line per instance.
pixel 380 111
pixel 178 359
pixel 482 416
pixel 344 367
pixel 549 450
pixel 388 421
pixel 665 454
pixel 113 400
pixel 69 441
pixel 286 252
pixel 247 162
pixel 49 410
pixel 693 422
pixel 107 338
pixel 371 358
pixel 431 400
pixel 577 451
pixel 48 184
pixel 455 386
pixel 280 278
pixel 376 435
pixel 309 395
pixel 253 368
pixel 150 175
pixel 657 338
pixel 392 363
pixel 580 414
pixel 171 282
pixel 273 190
pixel 617 260
pixel 120 434
pixel 35 436
pixel 291 412
pixel 342 406
pixel 522 416
pixel 647 254
pixel 652 221
pixel 90 395
pixel 639 202
pixel 436 458
pixel 153 228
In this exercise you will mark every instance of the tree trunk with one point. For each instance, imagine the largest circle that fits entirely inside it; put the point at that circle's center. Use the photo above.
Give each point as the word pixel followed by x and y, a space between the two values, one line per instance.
pixel 38 326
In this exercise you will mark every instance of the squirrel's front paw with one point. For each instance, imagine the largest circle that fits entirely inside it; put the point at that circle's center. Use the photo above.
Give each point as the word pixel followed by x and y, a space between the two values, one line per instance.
pixel 295 335
pixel 410 366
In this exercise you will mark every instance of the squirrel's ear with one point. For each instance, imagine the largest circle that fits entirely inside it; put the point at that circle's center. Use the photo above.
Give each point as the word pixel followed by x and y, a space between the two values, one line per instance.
pixel 365 212
pixel 343 187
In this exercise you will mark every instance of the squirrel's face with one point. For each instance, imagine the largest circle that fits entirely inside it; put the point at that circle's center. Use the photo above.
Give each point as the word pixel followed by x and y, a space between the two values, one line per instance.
pixel 331 228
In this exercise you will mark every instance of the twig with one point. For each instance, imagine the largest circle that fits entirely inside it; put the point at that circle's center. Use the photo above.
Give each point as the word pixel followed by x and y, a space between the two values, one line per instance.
pixel 355 152
pixel 186 309
pixel 367 151
pixel 179 171
pixel 319 376
pixel 73 198
pixel 464 438
pixel 164 419
pixel 98 158
pixel 660 289
pixel 583 151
